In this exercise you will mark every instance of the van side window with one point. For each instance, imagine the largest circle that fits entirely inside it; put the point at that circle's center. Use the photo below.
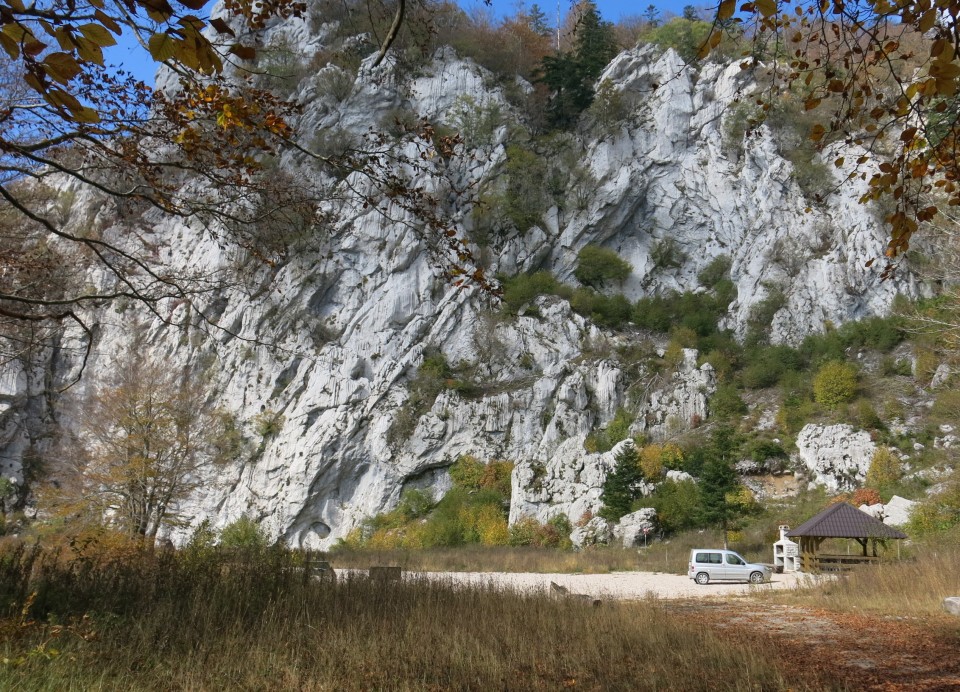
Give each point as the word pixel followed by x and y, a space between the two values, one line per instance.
pixel 709 558
pixel 734 560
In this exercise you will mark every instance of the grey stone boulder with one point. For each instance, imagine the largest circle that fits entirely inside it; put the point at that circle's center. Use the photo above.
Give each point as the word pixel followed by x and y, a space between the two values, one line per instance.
pixel 632 527
pixel 594 532
pixel 952 605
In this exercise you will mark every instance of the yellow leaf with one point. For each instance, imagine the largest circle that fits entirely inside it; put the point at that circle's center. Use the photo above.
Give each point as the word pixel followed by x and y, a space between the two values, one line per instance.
pixel 937 47
pixel 944 70
pixel 159 11
pixel 88 50
pixel 97 34
pixel 61 67
pixel 107 21
pixel 10 46
pixel 62 99
pixel 221 26
pixel 34 83
pixel 64 38
pixel 927 20
pixel 16 31
pixel 86 115
pixel 726 9
pixel 767 8
pixel 162 47
pixel 839 162
pixel 33 47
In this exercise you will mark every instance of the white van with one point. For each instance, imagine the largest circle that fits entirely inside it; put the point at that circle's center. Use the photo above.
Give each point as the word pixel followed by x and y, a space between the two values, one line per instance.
pixel 708 564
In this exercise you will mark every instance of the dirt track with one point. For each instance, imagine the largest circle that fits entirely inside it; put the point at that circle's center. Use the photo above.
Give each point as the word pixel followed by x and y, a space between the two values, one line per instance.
pixel 860 651
pixel 617 585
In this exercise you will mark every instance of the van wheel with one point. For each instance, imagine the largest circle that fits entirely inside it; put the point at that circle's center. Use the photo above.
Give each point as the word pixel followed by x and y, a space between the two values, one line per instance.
pixel 756 578
pixel 702 578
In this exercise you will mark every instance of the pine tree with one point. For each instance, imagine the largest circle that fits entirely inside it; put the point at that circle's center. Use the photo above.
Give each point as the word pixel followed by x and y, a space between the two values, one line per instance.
pixel 537 21
pixel 652 15
pixel 719 484
pixel 571 76
pixel 595 44
pixel 620 488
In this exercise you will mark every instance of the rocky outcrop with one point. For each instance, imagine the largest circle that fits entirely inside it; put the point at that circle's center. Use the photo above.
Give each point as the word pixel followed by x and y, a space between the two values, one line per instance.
pixel 636 528
pixel 896 512
pixel 595 531
pixel 835 456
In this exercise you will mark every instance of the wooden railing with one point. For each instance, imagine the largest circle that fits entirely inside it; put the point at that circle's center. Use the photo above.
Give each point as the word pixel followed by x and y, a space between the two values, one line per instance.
pixel 834 563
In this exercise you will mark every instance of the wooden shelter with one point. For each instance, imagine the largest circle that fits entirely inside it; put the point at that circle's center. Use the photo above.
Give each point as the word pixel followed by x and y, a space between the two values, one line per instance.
pixel 841 520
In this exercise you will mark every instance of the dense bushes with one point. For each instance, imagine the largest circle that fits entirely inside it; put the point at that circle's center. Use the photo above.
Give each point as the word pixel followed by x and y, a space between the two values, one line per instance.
pixel 885 470
pixel 434 375
pixel 677 504
pixel 685 36
pixel 938 512
pixel 606 311
pixel 835 383
pixel 472 512
pixel 525 199
pixel 522 289
pixel 555 533
pixel 599 266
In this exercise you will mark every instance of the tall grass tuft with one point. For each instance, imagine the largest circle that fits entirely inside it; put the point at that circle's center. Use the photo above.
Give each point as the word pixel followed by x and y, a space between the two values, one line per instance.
pixel 914 586
pixel 255 620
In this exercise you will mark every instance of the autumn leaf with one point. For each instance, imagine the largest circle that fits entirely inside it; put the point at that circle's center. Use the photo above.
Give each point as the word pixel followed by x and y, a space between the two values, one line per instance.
pixel 97 34
pixel 61 67
pixel 162 47
pixel 767 8
pixel 726 9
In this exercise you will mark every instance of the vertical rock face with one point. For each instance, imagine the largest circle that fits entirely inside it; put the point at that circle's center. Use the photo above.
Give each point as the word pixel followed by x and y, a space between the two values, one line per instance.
pixel 328 344
pixel 837 456
pixel 682 403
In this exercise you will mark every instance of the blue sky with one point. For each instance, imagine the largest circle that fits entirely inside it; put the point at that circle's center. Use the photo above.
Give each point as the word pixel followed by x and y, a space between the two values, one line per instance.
pixel 132 58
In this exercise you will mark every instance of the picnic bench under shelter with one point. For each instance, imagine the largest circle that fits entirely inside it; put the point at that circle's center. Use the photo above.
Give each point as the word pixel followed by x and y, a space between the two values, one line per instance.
pixel 840 520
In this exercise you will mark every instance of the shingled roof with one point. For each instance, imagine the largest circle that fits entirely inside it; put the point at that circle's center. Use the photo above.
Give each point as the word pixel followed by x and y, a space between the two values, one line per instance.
pixel 843 520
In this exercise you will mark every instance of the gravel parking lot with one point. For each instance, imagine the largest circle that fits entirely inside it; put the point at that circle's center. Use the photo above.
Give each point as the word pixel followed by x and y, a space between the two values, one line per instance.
pixel 616 585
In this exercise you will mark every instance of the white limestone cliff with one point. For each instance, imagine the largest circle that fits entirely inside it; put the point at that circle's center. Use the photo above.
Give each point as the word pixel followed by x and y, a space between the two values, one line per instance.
pixel 836 456
pixel 330 341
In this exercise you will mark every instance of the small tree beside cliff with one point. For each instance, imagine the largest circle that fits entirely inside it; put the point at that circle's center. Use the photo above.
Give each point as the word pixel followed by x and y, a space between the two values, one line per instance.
pixel 621 487
pixel 140 451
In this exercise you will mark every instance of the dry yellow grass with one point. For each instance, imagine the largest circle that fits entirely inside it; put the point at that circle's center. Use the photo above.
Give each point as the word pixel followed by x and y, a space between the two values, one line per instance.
pixel 914 586
pixel 212 621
